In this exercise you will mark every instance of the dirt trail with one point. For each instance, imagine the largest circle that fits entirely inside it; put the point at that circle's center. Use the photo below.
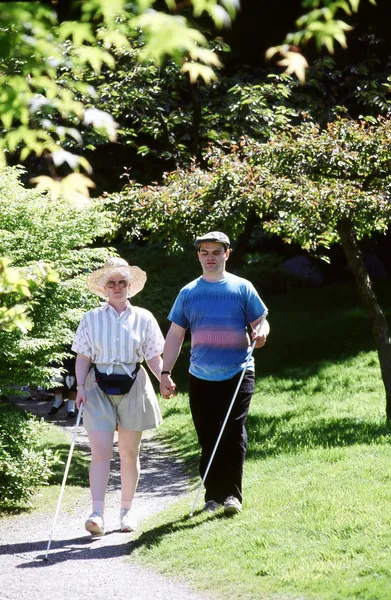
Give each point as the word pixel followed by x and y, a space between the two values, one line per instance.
pixel 80 566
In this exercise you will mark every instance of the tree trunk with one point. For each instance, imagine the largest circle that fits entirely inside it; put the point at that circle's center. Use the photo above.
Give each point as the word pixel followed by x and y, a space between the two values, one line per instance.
pixel 196 121
pixel 368 297
pixel 236 261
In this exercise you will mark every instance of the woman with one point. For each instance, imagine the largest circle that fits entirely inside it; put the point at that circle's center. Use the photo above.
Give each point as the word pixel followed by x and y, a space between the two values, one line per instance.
pixel 117 393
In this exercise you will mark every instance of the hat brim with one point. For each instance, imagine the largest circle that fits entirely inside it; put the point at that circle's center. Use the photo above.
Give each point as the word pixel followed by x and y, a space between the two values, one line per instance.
pixel 97 280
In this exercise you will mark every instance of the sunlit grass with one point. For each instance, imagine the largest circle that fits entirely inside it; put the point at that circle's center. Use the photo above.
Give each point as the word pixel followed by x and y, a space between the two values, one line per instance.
pixel 316 522
pixel 317 496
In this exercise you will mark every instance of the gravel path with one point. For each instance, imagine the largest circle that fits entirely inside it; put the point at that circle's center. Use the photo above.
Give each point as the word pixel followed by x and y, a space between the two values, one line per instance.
pixel 81 567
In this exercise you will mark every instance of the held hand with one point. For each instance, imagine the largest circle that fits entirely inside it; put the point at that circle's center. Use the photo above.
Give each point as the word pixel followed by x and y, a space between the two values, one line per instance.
pixel 167 387
pixel 81 397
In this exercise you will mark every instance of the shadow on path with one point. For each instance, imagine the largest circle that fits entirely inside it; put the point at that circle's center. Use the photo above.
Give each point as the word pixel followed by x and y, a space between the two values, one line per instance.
pixel 89 548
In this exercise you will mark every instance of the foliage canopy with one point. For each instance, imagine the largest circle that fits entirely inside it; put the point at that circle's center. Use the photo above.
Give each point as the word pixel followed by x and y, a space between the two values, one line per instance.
pixel 299 183
pixel 41 235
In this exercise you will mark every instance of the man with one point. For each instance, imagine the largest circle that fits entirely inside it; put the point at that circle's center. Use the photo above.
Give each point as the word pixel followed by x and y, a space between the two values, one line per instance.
pixel 217 307
pixel 68 379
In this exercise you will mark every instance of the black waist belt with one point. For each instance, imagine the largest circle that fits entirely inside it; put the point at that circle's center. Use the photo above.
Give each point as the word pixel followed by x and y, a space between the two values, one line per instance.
pixel 116 384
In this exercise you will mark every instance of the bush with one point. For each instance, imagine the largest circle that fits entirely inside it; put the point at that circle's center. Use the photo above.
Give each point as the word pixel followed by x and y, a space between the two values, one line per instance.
pixel 24 465
pixel 36 230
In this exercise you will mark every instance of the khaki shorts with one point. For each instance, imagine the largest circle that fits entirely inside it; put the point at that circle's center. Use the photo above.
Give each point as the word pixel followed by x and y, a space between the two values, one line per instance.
pixel 137 410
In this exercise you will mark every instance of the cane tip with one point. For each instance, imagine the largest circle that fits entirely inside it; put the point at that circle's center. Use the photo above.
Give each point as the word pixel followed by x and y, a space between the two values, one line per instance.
pixel 45 559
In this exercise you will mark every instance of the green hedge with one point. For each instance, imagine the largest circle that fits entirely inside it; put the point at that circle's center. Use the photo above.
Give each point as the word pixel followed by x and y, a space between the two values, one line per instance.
pixel 24 465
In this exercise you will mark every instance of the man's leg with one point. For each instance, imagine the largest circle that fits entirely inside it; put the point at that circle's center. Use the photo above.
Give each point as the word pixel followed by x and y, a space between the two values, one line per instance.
pixel 206 419
pixel 209 403
pixel 70 387
pixel 58 402
pixel 233 444
pixel 71 405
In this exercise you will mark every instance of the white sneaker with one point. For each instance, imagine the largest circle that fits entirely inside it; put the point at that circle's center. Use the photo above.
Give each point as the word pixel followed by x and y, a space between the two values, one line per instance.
pixel 95 524
pixel 232 506
pixel 128 520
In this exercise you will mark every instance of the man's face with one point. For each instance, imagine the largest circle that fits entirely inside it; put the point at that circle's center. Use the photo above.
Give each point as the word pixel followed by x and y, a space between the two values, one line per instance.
pixel 212 256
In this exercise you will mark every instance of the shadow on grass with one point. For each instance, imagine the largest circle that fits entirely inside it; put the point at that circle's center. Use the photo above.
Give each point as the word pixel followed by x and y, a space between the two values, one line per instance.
pixel 78 470
pixel 183 447
pixel 270 435
pixel 152 537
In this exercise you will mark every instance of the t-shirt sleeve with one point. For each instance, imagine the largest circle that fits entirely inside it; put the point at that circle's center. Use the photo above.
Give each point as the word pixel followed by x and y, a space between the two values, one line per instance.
pixel 255 308
pixel 153 343
pixel 177 314
pixel 82 342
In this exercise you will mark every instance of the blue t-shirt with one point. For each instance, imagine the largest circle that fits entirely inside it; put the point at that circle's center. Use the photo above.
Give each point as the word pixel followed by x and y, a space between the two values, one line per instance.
pixel 218 313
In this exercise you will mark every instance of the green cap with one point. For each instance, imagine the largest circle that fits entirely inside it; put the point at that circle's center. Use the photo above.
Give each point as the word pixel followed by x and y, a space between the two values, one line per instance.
pixel 213 236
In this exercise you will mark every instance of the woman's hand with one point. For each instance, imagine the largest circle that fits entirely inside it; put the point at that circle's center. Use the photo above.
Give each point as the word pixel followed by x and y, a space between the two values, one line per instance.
pixel 83 365
pixel 81 397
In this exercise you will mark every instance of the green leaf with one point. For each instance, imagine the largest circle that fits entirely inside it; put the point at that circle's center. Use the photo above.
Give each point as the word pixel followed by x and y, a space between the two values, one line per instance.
pixel 197 70
pixel 96 57
pixel 78 32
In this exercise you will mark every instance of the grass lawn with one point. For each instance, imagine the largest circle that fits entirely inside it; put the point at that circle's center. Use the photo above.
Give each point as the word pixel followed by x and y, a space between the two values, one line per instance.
pixel 45 498
pixel 317 497
pixel 316 522
pixel 77 491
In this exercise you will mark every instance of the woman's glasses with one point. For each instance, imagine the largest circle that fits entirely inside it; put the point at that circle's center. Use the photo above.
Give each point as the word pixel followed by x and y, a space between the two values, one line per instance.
pixel 122 284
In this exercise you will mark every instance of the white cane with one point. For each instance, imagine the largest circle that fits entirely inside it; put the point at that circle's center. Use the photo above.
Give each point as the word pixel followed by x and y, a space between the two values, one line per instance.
pixel 45 558
pixel 258 329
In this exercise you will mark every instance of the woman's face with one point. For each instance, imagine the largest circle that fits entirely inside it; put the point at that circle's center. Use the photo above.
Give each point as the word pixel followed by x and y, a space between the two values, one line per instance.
pixel 117 287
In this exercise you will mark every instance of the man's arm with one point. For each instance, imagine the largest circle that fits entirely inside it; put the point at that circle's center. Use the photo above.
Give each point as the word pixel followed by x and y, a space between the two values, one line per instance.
pixel 259 337
pixel 172 347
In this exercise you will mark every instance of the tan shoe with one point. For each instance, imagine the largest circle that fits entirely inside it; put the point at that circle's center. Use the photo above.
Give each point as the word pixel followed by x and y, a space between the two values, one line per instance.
pixel 128 520
pixel 95 524
pixel 232 506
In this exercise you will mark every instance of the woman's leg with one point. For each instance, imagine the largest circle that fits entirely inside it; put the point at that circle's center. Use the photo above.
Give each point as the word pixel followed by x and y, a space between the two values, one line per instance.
pixel 101 443
pixel 129 451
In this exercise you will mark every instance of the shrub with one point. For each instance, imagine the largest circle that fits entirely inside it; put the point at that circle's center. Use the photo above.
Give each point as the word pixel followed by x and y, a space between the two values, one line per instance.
pixel 24 465
pixel 36 230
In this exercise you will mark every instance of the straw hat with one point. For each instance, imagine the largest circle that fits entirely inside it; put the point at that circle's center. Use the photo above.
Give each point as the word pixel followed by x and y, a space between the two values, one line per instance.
pixel 97 280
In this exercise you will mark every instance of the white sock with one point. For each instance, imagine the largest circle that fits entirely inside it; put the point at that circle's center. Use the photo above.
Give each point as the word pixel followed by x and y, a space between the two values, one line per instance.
pixel 98 507
pixel 57 400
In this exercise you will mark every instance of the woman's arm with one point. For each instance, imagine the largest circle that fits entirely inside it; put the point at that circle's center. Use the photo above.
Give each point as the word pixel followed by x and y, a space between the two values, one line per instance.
pixel 83 365
pixel 156 365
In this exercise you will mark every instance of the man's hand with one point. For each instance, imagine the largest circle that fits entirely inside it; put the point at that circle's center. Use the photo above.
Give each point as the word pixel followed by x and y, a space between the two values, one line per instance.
pixel 167 386
pixel 258 338
pixel 259 335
